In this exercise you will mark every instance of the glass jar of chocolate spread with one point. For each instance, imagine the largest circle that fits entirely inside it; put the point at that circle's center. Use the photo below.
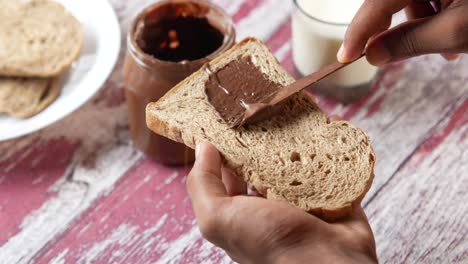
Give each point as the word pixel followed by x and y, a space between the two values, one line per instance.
pixel 167 42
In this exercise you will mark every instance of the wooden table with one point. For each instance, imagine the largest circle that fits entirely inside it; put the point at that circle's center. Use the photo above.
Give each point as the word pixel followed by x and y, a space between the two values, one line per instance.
pixel 78 191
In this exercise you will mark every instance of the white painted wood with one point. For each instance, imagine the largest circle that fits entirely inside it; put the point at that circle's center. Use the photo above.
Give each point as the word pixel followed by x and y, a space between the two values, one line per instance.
pixel 408 222
pixel 75 194
pixel 231 6
pixel 421 215
pixel 103 134
pixel 283 51
pixel 423 94
pixel 264 20
pixel 122 235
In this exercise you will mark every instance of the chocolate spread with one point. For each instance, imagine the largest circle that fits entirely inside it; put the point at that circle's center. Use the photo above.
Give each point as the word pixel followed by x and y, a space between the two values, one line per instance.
pixel 237 88
pixel 242 94
pixel 167 42
pixel 178 39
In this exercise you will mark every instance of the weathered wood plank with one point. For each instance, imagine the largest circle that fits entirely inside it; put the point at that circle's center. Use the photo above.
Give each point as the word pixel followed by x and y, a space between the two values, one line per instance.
pixel 103 154
pixel 123 226
pixel 28 180
pixel 245 8
pixel 74 194
pixel 264 20
pixel 420 216
pixel 409 109
pixel 146 218
pixel 280 38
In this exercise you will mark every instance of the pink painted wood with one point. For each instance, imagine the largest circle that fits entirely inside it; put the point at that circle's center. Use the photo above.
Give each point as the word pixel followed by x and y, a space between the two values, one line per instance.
pixel 78 192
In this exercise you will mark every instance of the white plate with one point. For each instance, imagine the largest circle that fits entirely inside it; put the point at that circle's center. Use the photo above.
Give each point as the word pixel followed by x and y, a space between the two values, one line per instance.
pixel 86 76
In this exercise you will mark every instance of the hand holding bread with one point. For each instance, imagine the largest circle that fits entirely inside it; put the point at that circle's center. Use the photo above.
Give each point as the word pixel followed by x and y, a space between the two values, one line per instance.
pixel 256 230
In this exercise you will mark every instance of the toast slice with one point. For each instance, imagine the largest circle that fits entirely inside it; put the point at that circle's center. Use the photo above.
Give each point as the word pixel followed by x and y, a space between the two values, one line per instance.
pixel 8 7
pixel 297 156
pixel 38 38
pixel 25 97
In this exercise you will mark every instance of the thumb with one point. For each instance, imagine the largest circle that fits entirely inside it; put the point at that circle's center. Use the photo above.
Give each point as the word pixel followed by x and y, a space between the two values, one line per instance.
pixel 446 32
pixel 204 182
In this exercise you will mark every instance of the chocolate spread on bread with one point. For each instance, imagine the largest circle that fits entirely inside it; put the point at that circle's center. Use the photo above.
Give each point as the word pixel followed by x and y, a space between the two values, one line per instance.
pixel 241 93
pixel 238 88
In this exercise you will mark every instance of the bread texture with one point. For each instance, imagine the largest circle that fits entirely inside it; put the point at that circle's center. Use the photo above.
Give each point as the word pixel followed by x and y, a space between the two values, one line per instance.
pixel 25 97
pixel 299 156
pixel 38 38
pixel 8 7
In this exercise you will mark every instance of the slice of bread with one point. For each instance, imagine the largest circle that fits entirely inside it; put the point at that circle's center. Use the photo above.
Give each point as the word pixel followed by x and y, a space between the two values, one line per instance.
pixel 8 7
pixel 38 38
pixel 297 156
pixel 25 97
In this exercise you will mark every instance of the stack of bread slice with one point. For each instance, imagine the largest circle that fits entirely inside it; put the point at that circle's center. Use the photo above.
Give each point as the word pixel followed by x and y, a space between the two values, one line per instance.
pixel 39 40
pixel 298 156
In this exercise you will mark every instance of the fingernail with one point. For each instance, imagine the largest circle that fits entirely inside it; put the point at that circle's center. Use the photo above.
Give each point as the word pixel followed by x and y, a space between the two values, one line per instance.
pixel 341 56
pixel 346 55
pixel 197 150
pixel 451 56
pixel 378 54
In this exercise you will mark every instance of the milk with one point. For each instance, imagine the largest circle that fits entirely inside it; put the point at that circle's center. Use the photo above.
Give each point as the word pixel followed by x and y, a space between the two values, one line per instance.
pixel 319 27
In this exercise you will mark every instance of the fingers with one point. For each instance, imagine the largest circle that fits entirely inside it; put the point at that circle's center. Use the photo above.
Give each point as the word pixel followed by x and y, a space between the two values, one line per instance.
pixel 417 10
pixel 359 223
pixel 446 33
pixel 204 183
pixel 358 220
pixel 450 56
pixel 373 17
pixel 209 186
pixel 209 178
pixel 234 184
pixel 205 177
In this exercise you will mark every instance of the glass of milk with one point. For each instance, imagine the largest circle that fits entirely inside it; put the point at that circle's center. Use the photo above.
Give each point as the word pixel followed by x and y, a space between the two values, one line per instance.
pixel 318 29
